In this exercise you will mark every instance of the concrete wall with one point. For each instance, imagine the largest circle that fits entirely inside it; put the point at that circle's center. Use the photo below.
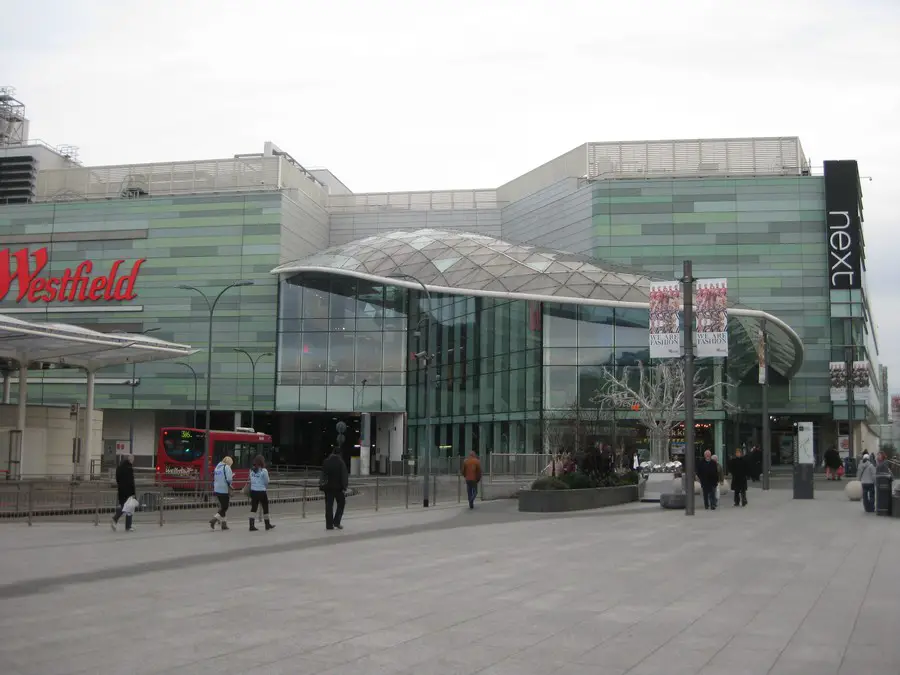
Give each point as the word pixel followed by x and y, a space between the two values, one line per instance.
pixel 48 440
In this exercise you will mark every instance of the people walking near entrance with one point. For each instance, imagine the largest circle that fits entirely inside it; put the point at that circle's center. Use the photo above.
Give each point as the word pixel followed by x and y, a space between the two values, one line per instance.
pixel 471 471
pixel 222 479
pixel 708 473
pixel 832 463
pixel 737 467
pixel 334 483
pixel 124 489
pixel 866 476
pixel 259 495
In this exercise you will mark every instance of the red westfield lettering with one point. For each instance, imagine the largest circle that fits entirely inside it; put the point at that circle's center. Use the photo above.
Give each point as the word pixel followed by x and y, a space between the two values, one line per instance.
pixel 73 286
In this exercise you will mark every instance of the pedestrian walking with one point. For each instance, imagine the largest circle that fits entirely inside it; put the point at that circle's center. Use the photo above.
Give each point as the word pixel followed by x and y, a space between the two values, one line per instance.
pixel 739 470
pixel 259 495
pixel 720 473
pixel 223 476
pixel 471 472
pixel 832 463
pixel 334 483
pixel 125 489
pixel 708 473
pixel 866 475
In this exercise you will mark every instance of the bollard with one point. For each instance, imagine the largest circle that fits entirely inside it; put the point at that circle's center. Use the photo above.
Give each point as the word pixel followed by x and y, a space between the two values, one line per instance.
pixel 97 496
pixel 377 490
pixel 407 490
pixel 30 502
pixel 161 502
pixel 303 504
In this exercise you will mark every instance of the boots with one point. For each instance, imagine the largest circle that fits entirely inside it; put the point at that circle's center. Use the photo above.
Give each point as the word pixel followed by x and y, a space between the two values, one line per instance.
pixel 253 527
pixel 224 524
pixel 269 526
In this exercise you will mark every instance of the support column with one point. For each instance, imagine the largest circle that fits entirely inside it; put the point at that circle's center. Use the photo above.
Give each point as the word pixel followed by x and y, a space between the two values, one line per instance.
pixel 21 414
pixel 7 386
pixel 719 443
pixel 88 434
pixel 365 443
pixel 237 419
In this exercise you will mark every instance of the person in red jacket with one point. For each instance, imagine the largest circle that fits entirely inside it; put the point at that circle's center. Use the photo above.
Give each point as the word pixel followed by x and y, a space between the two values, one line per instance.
pixel 471 472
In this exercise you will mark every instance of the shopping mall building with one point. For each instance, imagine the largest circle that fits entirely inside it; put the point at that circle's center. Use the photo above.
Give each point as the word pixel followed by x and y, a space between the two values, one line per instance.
pixel 534 287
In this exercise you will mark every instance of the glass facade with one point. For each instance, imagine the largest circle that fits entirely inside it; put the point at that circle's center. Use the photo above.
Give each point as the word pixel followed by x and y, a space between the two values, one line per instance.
pixel 341 345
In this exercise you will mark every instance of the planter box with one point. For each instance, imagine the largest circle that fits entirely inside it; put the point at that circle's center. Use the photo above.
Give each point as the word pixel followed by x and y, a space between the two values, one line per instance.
pixel 558 501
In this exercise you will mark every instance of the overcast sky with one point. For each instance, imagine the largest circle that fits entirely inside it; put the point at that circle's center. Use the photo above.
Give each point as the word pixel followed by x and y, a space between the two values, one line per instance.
pixel 403 95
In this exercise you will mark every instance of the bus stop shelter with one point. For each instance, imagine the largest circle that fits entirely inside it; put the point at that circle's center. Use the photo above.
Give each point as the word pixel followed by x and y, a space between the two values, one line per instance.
pixel 29 343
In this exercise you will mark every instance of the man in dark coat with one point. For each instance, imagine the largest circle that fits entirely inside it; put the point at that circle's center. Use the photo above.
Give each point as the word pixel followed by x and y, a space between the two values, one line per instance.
pixel 708 473
pixel 334 483
pixel 738 469
pixel 124 489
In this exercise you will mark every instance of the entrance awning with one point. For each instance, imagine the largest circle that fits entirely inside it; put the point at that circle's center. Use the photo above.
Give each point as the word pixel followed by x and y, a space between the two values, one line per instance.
pixel 63 344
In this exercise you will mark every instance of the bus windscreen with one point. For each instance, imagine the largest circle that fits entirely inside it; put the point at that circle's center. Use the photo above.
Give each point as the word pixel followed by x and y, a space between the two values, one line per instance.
pixel 184 445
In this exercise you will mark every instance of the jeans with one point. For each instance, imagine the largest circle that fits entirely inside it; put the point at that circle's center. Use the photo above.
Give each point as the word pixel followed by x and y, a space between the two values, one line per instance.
pixel 223 504
pixel 709 497
pixel 333 516
pixel 259 498
pixel 471 492
pixel 868 497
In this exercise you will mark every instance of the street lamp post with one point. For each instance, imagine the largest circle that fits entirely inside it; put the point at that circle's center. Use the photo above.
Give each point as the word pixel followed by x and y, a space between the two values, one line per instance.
pixel 429 365
pixel 133 386
pixel 212 308
pixel 191 368
pixel 253 363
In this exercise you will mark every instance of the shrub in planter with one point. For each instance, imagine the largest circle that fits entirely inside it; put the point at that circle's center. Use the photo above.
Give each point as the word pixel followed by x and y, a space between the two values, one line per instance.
pixel 630 478
pixel 549 483
pixel 577 481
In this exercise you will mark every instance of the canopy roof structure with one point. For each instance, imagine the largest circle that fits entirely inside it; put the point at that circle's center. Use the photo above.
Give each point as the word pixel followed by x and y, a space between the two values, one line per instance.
pixel 66 345
pixel 462 263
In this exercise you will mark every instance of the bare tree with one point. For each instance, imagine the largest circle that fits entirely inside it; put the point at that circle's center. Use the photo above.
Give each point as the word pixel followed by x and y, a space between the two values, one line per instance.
pixel 656 393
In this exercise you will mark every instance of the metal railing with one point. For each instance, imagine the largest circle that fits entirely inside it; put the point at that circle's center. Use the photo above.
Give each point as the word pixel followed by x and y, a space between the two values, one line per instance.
pixel 92 502
pixel 516 465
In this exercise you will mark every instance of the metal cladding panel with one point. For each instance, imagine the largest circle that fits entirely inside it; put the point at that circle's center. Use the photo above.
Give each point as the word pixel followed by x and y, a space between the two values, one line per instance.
pixel 207 242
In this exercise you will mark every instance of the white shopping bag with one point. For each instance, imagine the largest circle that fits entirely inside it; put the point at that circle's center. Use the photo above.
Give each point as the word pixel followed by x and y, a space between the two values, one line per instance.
pixel 717 493
pixel 129 507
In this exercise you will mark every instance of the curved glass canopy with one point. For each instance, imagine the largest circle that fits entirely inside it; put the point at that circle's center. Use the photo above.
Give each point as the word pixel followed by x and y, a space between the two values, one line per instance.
pixel 463 263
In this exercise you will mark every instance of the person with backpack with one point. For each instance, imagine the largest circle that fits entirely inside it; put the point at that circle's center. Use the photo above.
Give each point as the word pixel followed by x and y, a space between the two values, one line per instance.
pixel 259 495
pixel 125 489
pixel 223 476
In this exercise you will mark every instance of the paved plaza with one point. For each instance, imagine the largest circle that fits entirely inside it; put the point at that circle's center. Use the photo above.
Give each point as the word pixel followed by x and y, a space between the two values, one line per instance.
pixel 781 587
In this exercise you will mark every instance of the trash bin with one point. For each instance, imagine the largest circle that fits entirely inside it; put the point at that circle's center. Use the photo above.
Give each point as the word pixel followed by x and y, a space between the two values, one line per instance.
pixel 850 466
pixel 895 506
pixel 883 496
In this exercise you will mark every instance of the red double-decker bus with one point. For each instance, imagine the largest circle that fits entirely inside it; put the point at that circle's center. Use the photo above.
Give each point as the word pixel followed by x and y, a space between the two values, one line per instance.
pixel 179 456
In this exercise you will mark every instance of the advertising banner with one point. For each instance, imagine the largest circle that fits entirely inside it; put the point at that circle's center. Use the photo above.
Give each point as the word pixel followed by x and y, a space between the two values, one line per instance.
pixel 862 384
pixel 805 453
pixel 838 372
pixel 842 209
pixel 665 326
pixel 895 407
pixel 711 310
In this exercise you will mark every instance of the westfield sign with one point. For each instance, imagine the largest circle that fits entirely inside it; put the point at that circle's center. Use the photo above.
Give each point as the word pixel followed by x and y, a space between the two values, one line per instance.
pixel 74 285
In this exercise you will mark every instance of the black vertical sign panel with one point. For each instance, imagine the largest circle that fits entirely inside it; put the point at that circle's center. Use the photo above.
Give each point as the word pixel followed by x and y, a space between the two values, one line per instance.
pixel 842 214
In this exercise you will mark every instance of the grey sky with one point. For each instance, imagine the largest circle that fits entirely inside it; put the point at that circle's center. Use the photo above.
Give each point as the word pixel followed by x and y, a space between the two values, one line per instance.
pixel 403 95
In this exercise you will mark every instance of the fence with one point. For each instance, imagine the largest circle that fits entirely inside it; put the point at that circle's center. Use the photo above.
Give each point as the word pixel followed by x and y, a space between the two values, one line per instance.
pixel 91 502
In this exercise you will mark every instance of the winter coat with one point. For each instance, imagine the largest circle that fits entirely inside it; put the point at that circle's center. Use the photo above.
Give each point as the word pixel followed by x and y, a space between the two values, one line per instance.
pixel 222 477
pixel 832 459
pixel 866 472
pixel 708 473
pixel 335 476
pixel 738 469
pixel 259 480
pixel 125 481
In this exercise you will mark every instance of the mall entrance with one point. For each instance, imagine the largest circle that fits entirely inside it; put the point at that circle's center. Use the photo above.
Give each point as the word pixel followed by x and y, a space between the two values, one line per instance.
pixel 304 439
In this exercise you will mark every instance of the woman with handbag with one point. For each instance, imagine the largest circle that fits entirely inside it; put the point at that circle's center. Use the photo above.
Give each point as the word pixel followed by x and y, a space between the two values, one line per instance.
pixel 258 486
pixel 222 479
pixel 125 490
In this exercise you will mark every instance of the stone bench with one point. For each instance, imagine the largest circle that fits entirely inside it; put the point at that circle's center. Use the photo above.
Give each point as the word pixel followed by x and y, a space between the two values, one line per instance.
pixel 671 501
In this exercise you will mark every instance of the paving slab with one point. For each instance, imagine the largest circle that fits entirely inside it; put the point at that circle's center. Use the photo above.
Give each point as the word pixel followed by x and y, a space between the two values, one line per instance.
pixel 782 586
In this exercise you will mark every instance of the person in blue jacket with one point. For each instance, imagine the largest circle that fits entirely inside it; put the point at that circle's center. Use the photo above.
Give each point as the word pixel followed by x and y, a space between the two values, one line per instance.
pixel 222 479
pixel 259 496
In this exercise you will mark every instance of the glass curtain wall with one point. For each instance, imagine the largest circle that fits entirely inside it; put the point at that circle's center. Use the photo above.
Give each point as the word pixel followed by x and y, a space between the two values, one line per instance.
pixel 487 377
pixel 341 345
